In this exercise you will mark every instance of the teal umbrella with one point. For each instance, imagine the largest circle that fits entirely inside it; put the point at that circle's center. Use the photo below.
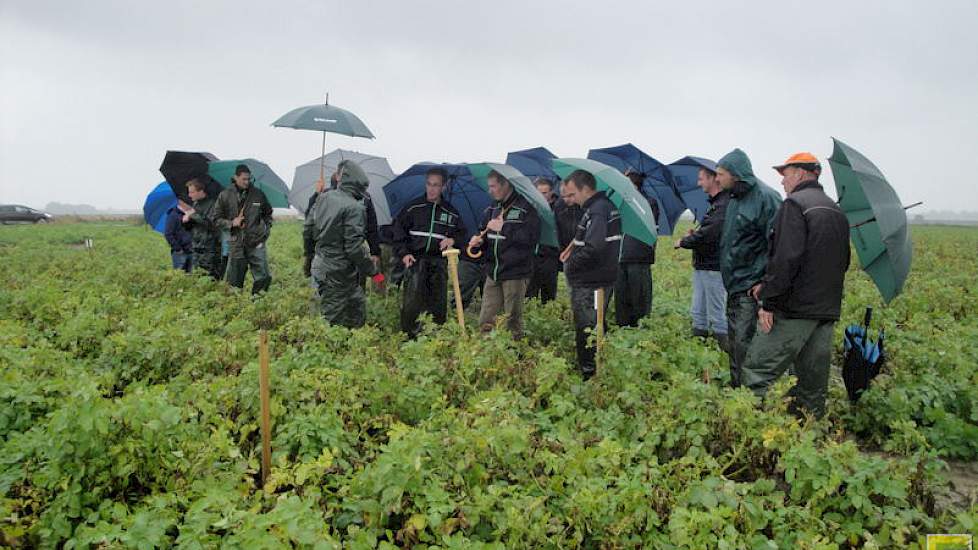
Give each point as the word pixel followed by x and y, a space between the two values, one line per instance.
pixel 324 118
pixel 262 177
pixel 636 214
pixel 523 185
pixel 877 219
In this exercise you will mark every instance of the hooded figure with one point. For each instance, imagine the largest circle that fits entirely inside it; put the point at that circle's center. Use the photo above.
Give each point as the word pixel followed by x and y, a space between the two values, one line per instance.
pixel 338 226
pixel 743 249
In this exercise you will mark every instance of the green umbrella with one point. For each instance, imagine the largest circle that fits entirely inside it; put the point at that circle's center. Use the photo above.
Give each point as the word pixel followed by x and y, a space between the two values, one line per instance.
pixel 523 186
pixel 877 219
pixel 636 214
pixel 262 177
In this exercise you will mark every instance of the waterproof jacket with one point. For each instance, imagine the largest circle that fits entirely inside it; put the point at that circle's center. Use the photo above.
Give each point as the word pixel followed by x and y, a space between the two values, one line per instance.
pixel 337 224
pixel 509 252
pixel 809 256
pixel 176 236
pixel 593 261
pixel 567 216
pixel 205 234
pixel 257 216
pixel 746 225
pixel 705 241
pixel 634 251
pixel 373 232
pixel 421 226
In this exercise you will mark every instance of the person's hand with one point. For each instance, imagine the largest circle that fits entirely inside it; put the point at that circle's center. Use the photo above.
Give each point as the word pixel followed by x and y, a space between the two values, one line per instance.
pixel 185 218
pixel 495 224
pixel 765 319
pixel 676 244
pixel 320 186
pixel 475 242
pixel 445 244
pixel 182 206
pixel 689 233
pixel 755 292
pixel 236 222
pixel 565 254
pixel 376 261
pixel 409 260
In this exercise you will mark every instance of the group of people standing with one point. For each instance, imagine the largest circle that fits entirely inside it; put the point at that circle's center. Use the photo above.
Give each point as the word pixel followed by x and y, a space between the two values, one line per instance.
pixel 767 274
pixel 196 231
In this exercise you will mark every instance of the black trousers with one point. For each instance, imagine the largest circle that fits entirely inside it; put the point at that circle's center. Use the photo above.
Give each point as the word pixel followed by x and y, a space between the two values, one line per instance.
pixel 424 289
pixel 543 282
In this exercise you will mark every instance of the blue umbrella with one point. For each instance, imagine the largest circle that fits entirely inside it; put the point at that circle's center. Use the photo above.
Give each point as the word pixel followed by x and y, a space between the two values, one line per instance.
pixel 658 184
pixel 462 192
pixel 534 163
pixel 159 200
pixel 685 173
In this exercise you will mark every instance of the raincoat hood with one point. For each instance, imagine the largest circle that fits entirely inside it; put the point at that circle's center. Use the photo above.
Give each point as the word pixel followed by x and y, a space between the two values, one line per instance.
pixel 737 163
pixel 352 178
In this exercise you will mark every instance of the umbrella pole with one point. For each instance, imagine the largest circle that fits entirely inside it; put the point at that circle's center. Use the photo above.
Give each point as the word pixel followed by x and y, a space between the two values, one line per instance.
pixel 322 161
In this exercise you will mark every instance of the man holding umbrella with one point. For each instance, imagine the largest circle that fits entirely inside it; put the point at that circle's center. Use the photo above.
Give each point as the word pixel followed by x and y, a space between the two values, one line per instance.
pixel 338 224
pixel 633 288
pixel 244 210
pixel 800 295
pixel 591 261
pixel 510 232
pixel 422 230
pixel 206 237
pixel 743 249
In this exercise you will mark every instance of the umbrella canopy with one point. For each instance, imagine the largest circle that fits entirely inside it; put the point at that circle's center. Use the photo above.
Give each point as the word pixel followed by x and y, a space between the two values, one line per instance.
pixel 462 192
pixel 179 167
pixel 157 203
pixel 324 118
pixel 636 214
pixel 877 220
pixel 685 173
pixel 523 186
pixel 262 177
pixel 863 357
pixel 378 172
pixel 657 185
pixel 534 163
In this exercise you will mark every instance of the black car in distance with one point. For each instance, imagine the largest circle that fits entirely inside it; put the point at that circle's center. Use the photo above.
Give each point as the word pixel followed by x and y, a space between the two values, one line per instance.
pixel 15 213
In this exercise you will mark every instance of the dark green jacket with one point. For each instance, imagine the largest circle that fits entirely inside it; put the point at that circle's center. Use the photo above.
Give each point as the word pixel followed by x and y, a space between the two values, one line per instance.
pixel 205 235
pixel 337 224
pixel 746 225
pixel 257 216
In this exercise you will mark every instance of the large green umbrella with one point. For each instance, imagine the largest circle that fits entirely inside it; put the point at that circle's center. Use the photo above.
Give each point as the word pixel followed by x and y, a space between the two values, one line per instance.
pixel 262 177
pixel 877 219
pixel 523 185
pixel 637 219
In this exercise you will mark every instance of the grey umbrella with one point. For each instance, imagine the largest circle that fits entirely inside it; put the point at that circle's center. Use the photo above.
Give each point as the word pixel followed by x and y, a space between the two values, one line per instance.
pixel 378 172
pixel 324 118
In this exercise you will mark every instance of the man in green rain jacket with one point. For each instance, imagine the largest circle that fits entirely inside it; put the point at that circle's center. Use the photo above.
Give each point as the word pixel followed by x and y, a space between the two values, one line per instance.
pixel 206 243
pixel 338 225
pixel 743 249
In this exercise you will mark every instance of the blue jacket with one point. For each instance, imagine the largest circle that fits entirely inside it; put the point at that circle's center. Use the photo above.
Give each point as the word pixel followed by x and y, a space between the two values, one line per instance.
pixel 179 238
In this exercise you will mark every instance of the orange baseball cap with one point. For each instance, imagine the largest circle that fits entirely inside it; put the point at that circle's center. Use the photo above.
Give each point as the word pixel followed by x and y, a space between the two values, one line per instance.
pixel 798 158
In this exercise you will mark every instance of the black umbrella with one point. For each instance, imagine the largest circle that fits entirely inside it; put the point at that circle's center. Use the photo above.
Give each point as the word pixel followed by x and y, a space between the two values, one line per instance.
pixel 179 167
pixel 863 357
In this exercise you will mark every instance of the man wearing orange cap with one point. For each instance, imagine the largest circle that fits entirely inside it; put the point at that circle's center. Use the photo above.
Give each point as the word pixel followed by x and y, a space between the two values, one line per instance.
pixel 800 295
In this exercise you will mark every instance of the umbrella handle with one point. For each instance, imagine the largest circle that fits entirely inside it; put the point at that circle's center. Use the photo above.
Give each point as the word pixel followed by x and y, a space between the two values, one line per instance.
pixel 473 252
pixel 867 318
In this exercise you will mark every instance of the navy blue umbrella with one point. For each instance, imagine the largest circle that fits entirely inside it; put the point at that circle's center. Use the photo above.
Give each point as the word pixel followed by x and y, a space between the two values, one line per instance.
pixel 462 192
pixel 685 173
pixel 534 163
pixel 159 200
pixel 657 185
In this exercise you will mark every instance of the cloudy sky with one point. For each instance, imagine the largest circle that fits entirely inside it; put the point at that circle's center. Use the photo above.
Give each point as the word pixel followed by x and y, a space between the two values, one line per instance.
pixel 93 93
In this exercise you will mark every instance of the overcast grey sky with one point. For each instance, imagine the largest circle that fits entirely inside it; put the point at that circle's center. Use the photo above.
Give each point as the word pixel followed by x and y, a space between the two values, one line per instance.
pixel 93 93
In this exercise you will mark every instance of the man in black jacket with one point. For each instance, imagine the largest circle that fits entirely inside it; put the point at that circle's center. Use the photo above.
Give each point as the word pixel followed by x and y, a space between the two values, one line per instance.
pixel 633 288
pixel 708 309
pixel 543 283
pixel 592 260
pixel 512 232
pixel 800 294
pixel 422 230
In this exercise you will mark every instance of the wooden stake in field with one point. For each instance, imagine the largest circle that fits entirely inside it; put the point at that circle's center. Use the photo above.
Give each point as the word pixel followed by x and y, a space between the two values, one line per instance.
pixel 452 255
pixel 266 413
